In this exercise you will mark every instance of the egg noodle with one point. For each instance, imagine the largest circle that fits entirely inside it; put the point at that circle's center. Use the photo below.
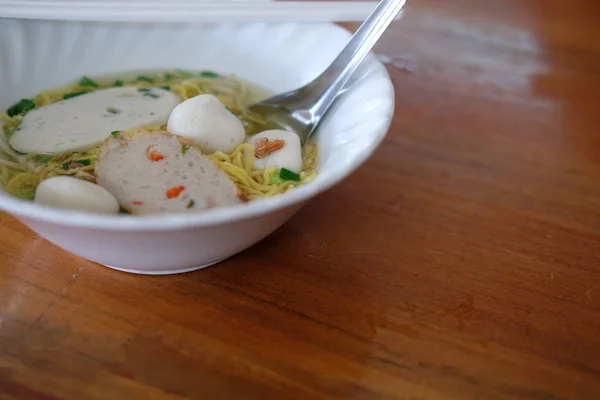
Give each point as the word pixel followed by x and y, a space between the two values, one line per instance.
pixel 20 174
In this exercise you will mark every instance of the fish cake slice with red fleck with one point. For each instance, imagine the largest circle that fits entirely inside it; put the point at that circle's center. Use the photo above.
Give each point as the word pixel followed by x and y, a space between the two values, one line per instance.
pixel 157 172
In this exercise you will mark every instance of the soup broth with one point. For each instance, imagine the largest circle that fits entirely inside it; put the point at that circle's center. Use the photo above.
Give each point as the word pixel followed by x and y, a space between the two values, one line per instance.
pixel 59 131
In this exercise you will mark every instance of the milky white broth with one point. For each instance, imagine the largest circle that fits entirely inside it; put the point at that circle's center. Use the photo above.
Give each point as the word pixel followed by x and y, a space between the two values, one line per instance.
pixel 82 122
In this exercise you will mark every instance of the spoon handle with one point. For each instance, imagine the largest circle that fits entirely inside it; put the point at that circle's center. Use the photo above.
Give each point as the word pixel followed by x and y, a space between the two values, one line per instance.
pixel 333 80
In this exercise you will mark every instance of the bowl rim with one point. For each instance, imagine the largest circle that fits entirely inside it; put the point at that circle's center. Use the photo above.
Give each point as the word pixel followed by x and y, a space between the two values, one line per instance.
pixel 175 221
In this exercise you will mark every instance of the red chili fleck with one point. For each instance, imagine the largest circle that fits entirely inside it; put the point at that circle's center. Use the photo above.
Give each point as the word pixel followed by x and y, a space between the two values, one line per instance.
pixel 175 191
pixel 154 154
pixel 137 202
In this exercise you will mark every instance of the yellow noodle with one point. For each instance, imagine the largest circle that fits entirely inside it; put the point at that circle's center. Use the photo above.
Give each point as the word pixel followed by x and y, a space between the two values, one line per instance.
pixel 18 180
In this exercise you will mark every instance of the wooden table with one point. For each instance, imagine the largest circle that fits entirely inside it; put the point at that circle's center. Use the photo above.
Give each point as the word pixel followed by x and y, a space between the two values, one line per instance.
pixel 461 262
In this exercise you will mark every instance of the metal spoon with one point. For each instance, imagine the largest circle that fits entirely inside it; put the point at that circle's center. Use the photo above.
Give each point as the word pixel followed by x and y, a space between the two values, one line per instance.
pixel 302 109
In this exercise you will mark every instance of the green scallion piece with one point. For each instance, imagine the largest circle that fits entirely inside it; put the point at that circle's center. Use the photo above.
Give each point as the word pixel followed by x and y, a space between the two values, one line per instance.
pixel 144 78
pixel 275 179
pixel 191 204
pixel 144 89
pixel 7 132
pixel 288 175
pixel 21 107
pixel 73 94
pixel 154 96
pixel 43 158
pixel 26 193
pixel 115 133
pixel 166 87
pixel 118 83
pixel 184 148
pixel 85 81
pixel 113 110
pixel 209 74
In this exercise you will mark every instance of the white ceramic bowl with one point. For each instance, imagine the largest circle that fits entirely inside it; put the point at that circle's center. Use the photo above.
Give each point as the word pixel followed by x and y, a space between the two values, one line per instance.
pixel 36 55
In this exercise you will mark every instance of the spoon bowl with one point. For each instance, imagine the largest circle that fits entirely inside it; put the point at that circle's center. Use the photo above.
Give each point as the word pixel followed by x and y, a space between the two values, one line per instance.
pixel 302 110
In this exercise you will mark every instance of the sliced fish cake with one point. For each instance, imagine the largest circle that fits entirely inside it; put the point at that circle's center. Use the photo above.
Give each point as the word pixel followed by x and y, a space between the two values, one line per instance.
pixel 157 172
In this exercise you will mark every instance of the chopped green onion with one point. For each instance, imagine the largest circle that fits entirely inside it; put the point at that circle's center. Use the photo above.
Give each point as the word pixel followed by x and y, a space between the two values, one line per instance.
pixel 21 107
pixel 144 78
pixel 27 193
pixel 118 83
pixel 85 81
pixel 73 94
pixel 43 158
pixel 191 204
pixel 115 133
pixel 209 74
pixel 166 87
pixel 275 179
pixel 288 175
pixel 184 148
pixel 113 110
pixel 144 89
pixel 154 96
pixel 84 162
pixel 7 132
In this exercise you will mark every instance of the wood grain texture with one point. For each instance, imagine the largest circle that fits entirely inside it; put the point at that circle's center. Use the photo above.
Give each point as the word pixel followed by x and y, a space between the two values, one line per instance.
pixel 461 262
